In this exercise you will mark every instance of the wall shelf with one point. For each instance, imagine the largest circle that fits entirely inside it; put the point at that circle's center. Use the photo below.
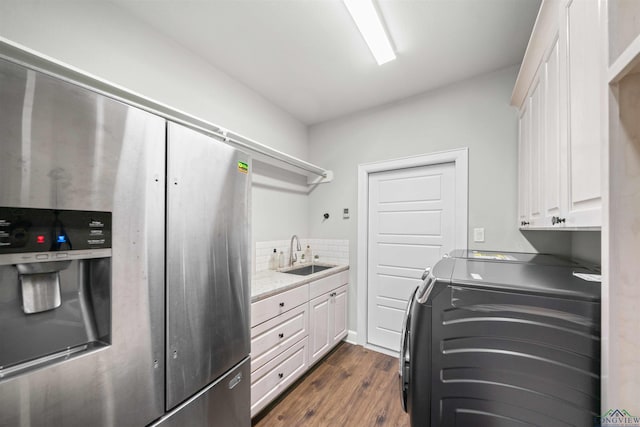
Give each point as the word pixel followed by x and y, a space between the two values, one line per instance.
pixel 34 60
pixel 627 63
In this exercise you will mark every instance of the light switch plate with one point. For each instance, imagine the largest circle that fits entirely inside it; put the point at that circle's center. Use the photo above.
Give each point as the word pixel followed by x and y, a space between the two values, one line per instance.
pixel 345 213
pixel 478 235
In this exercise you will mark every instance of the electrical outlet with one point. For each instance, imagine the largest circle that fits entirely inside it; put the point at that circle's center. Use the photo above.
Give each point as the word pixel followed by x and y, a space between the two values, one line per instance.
pixel 478 235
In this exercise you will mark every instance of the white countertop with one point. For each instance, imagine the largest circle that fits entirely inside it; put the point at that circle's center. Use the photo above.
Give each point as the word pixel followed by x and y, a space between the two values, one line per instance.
pixel 267 283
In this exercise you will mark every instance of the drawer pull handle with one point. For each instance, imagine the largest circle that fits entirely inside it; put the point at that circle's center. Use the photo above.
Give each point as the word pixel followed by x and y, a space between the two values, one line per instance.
pixel 281 304
pixel 280 335
pixel 280 375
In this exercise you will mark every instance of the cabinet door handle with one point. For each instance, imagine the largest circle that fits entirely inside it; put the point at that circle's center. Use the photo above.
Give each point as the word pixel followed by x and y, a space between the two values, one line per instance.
pixel 281 304
pixel 280 375
pixel 557 220
pixel 523 223
pixel 332 294
pixel 280 335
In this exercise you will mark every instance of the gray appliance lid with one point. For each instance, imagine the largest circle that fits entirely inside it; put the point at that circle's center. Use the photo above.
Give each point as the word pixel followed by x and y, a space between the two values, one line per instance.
pixel 521 257
pixel 548 280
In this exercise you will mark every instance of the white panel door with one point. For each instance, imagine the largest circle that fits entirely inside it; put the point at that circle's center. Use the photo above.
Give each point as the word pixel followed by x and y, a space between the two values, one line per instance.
pixel 411 226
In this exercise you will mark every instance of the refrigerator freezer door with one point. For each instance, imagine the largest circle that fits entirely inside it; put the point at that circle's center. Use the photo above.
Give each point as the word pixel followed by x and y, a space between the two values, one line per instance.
pixel 207 261
pixel 225 403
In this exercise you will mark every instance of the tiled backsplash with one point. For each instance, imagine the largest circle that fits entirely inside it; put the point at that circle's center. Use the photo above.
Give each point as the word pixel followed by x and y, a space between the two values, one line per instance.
pixel 329 250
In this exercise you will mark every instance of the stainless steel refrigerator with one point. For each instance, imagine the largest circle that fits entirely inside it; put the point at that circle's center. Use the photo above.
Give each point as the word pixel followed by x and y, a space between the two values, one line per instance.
pixel 124 274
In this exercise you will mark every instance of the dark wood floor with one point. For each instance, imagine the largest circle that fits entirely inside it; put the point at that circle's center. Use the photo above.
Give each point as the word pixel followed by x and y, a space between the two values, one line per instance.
pixel 352 386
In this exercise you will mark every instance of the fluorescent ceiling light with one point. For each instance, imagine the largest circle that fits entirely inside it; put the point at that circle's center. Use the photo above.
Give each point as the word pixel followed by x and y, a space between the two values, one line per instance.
pixel 366 18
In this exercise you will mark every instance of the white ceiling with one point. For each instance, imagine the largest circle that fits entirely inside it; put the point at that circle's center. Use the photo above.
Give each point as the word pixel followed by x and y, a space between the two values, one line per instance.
pixel 307 56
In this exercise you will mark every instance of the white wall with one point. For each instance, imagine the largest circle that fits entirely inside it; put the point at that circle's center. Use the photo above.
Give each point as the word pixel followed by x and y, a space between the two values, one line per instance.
pixel 100 38
pixel 280 203
pixel 586 246
pixel 474 113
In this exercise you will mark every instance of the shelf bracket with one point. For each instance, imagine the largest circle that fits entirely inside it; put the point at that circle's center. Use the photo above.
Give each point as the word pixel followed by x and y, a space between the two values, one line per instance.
pixel 322 179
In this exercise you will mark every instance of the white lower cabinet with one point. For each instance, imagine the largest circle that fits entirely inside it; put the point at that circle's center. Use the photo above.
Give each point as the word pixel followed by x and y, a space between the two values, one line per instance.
pixel 319 326
pixel 278 304
pixel 340 307
pixel 274 336
pixel 279 373
pixel 328 319
pixel 291 331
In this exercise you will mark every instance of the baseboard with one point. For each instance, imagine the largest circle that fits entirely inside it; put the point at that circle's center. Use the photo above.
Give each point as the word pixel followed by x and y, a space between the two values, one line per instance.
pixel 352 337
pixel 382 350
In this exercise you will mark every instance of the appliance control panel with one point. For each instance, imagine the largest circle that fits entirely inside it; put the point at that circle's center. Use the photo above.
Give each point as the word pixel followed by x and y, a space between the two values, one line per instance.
pixel 52 230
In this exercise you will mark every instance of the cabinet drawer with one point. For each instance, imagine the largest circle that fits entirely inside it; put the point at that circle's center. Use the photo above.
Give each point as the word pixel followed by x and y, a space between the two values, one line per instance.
pixel 274 377
pixel 273 336
pixel 326 284
pixel 268 308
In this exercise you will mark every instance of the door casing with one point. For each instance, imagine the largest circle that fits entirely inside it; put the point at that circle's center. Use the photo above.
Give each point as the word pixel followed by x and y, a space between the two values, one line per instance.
pixel 460 158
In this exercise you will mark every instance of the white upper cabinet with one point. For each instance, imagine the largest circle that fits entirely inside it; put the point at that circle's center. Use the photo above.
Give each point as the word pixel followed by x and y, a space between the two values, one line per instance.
pixel 523 166
pixel 536 139
pixel 585 77
pixel 555 139
pixel 558 94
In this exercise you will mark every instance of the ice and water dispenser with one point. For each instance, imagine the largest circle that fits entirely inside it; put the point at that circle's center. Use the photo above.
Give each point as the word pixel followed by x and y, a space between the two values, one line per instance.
pixel 55 285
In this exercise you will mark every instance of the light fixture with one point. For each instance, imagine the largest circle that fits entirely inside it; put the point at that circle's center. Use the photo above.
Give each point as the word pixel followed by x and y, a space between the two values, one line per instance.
pixel 368 22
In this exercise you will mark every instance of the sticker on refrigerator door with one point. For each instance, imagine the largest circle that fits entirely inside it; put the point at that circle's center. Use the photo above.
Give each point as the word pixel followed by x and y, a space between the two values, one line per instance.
pixel 243 167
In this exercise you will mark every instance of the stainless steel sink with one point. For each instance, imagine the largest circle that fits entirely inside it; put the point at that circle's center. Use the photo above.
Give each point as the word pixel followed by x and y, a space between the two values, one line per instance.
pixel 307 269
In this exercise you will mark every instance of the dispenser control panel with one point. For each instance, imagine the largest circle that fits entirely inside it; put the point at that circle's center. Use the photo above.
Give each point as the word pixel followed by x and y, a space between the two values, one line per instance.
pixel 53 230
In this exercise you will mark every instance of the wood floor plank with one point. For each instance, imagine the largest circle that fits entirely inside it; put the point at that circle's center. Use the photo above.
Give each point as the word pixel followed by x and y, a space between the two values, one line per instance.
pixel 352 386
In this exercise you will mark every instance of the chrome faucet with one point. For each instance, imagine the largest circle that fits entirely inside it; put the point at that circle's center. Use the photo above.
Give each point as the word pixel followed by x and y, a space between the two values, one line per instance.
pixel 293 257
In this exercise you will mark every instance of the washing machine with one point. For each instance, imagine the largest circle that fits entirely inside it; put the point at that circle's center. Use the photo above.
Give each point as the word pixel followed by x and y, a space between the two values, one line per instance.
pixel 502 339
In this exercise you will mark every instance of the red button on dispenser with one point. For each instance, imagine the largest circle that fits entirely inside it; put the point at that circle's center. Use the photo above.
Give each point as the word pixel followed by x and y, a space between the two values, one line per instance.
pixel 40 238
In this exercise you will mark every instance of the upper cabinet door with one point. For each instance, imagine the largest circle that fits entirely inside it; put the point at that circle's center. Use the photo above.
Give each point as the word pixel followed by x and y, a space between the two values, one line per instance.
pixel 555 134
pixel 585 66
pixel 536 135
pixel 207 297
pixel 523 166
pixel 559 93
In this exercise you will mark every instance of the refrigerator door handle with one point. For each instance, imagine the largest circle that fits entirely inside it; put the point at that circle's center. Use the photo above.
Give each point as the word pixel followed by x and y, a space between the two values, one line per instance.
pixel 403 371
